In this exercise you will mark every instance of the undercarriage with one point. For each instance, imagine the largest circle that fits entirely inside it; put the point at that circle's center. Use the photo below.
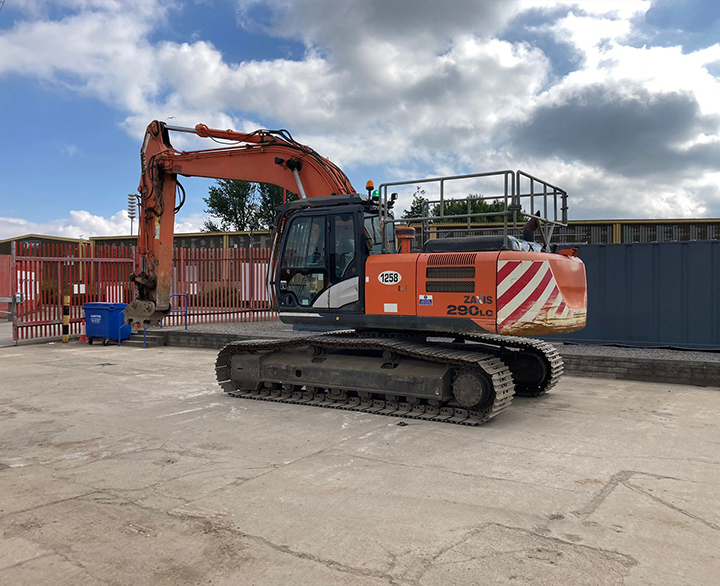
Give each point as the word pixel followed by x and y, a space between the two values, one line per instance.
pixel 467 379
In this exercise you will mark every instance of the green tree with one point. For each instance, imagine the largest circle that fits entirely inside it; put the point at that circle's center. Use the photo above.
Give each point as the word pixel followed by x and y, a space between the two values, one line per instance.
pixel 232 204
pixel 210 226
pixel 477 206
pixel 418 205
pixel 270 196
pixel 419 208
pixel 242 205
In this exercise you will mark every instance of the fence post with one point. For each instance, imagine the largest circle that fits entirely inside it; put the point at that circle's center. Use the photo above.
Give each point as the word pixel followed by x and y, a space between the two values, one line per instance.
pixel 14 286
pixel 251 266
pixel 66 319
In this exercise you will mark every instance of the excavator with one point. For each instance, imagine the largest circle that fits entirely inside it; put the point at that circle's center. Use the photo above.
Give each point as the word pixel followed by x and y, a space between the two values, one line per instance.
pixel 437 333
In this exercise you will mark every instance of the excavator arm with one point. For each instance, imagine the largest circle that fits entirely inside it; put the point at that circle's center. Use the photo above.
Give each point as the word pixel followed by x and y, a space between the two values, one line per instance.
pixel 265 156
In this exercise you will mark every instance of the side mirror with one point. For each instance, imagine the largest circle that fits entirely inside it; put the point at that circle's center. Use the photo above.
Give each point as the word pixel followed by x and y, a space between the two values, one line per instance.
pixel 368 241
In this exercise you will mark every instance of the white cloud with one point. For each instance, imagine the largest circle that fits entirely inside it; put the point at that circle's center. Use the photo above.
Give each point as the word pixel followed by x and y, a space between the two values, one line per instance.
pixel 189 223
pixel 595 193
pixel 609 61
pixel 69 150
pixel 79 222
pixel 621 9
pixel 82 223
pixel 419 86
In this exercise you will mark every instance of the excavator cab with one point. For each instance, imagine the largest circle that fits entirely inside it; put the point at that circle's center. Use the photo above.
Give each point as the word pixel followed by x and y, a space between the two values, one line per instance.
pixel 324 248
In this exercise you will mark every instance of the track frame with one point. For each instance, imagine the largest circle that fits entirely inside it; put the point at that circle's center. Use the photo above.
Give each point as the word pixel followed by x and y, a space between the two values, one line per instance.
pixel 481 352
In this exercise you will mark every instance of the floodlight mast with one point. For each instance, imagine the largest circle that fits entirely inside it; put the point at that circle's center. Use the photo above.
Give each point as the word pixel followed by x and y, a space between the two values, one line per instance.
pixel 132 207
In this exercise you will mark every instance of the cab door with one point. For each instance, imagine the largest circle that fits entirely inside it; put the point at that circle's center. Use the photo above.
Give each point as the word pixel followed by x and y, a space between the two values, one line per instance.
pixel 346 262
pixel 303 273
pixel 321 264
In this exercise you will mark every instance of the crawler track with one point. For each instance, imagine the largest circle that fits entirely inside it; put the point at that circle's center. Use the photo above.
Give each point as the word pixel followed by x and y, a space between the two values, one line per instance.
pixel 497 373
pixel 543 350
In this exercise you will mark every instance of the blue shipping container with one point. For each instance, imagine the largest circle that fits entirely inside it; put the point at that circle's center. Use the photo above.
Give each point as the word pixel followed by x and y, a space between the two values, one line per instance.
pixel 664 294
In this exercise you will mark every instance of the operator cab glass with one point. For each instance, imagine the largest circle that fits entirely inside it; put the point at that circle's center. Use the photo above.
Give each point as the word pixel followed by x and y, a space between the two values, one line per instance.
pixel 344 253
pixel 321 262
pixel 304 266
pixel 374 237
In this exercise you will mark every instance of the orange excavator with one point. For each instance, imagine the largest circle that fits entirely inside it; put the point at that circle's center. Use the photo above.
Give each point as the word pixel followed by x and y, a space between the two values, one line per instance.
pixel 431 334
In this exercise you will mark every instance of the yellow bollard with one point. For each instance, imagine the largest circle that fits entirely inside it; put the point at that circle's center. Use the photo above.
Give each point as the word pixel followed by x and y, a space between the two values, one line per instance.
pixel 66 319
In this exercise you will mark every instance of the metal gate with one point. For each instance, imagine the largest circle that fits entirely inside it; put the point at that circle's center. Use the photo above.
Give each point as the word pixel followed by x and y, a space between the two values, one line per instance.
pixel 208 286
pixel 44 273
pixel 221 285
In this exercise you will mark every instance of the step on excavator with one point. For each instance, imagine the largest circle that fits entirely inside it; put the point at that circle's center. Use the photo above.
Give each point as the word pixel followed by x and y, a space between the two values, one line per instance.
pixel 437 333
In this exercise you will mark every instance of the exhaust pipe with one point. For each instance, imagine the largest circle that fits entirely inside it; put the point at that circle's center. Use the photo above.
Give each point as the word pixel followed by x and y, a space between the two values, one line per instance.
pixel 530 226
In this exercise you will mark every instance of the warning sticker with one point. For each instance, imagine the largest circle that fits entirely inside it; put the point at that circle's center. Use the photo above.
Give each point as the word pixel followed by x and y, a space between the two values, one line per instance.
pixel 425 300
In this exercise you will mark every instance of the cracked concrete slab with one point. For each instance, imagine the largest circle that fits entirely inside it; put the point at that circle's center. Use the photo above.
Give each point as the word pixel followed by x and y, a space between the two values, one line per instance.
pixel 47 569
pixel 408 508
pixel 130 466
pixel 508 555
pixel 684 549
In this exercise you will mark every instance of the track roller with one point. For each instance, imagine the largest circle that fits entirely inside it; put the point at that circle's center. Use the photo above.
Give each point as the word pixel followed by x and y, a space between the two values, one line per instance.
pixel 471 388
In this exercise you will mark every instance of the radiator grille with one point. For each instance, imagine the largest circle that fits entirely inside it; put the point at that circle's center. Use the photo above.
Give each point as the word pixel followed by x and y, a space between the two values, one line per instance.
pixel 452 259
pixel 450 286
pixel 450 272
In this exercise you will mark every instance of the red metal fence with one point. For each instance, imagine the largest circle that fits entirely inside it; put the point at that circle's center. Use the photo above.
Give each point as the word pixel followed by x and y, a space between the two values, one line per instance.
pixel 6 289
pixel 44 273
pixel 219 285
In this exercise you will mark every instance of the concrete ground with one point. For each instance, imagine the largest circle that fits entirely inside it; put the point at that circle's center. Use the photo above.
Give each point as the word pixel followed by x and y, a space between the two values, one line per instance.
pixel 6 336
pixel 129 466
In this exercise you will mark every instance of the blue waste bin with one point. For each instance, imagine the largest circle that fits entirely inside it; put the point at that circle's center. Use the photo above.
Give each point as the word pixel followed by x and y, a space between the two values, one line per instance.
pixel 105 321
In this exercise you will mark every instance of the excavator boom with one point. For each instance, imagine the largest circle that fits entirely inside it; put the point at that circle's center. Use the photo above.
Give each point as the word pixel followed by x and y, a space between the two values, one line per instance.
pixel 265 156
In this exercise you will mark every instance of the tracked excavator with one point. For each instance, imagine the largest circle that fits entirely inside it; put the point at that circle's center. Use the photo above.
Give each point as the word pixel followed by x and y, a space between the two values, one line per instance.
pixel 437 333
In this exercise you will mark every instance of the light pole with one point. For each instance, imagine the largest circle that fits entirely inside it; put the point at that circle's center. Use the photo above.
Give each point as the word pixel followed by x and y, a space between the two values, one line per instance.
pixel 132 203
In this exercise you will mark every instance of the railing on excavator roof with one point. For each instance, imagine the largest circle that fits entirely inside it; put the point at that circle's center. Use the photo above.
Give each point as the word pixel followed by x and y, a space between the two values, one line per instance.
pixel 511 197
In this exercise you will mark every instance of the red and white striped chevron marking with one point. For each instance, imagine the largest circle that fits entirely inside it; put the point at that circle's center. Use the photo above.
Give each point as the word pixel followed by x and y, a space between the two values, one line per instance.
pixel 525 288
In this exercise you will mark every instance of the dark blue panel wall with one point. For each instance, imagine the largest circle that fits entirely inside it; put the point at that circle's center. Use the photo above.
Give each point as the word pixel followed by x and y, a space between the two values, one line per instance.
pixel 652 294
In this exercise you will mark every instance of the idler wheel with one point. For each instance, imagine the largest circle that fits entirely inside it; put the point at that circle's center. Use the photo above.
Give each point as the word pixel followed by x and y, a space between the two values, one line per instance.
pixel 530 372
pixel 314 350
pixel 471 388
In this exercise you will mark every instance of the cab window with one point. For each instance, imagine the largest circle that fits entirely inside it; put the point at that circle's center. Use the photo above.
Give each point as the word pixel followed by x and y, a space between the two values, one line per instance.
pixel 344 225
pixel 303 270
pixel 374 237
pixel 306 243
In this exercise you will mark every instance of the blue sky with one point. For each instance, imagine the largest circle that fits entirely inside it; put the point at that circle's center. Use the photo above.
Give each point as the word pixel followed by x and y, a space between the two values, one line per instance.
pixel 616 101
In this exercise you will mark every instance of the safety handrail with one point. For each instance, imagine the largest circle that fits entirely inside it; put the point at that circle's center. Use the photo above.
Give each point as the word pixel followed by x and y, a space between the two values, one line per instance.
pixel 511 196
pixel 186 311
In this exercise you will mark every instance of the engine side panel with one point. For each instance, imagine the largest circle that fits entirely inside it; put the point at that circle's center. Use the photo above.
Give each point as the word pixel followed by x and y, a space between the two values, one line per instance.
pixel 507 292
pixel 458 285
pixel 451 287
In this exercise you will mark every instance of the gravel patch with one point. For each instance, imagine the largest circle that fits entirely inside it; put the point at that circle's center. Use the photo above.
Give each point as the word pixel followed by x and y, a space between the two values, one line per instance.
pixel 641 353
pixel 260 329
